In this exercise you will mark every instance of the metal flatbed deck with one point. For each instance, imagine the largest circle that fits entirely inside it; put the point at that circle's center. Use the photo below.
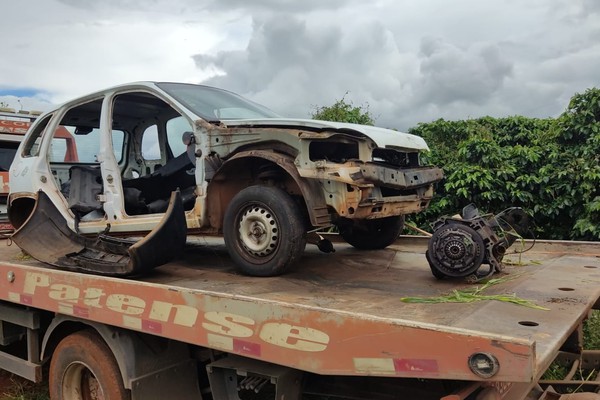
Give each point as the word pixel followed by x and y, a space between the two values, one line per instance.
pixel 335 314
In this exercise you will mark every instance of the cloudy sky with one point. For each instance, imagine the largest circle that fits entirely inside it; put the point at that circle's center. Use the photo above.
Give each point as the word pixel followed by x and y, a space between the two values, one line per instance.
pixel 410 61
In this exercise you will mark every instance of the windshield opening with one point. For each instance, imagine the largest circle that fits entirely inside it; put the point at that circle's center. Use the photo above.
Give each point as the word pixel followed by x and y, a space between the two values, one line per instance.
pixel 214 104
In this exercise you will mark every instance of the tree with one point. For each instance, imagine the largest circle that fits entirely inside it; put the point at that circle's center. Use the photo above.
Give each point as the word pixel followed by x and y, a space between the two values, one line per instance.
pixel 578 162
pixel 490 162
pixel 550 167
pixel 343 111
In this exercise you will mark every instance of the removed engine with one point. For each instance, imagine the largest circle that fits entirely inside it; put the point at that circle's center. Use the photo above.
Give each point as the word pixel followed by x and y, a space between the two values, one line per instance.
pixel 472 246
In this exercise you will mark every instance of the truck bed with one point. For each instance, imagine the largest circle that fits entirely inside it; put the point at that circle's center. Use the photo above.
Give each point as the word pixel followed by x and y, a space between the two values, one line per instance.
pixel 335 314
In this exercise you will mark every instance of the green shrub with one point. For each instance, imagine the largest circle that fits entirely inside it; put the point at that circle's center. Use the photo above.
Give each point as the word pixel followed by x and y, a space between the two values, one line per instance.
pixel 549 167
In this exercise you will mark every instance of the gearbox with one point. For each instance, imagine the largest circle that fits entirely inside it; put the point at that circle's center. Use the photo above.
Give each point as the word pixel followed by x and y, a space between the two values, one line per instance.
pixel 472 245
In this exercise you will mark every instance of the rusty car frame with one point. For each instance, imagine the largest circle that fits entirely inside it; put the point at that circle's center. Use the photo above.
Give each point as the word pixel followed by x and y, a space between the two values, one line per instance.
pixel 264 182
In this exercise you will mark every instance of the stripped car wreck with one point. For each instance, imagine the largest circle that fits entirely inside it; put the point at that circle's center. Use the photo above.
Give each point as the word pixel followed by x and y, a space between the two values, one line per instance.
pixel 165 160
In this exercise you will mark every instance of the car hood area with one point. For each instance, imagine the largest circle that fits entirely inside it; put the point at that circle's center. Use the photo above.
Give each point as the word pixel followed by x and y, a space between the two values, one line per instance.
pixel 384 138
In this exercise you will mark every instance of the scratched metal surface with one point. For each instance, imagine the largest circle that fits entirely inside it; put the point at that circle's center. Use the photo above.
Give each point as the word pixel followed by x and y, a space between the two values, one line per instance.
pixel 561 277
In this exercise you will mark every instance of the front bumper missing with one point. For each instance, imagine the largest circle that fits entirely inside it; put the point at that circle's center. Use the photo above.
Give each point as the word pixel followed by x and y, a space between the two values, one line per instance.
pixel 46 237
pixel 402 179
pixel 380 207
pixel 396 191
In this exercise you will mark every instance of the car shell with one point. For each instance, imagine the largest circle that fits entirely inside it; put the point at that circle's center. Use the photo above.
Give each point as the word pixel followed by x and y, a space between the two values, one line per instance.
pixel 336 172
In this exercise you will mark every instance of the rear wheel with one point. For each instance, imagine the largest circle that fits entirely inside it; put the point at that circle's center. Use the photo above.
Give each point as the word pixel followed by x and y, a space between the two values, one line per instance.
pixel 373 234
pixel 84 368
pixel 264 231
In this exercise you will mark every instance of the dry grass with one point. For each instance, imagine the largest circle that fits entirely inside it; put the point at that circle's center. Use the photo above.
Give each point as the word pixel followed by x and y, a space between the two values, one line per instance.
pixel 13 387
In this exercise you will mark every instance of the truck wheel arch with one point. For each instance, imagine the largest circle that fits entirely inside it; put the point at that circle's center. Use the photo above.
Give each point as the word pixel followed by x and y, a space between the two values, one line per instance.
pixel 221 189
pixel 63 326
pixel 83 366
pixel 136 358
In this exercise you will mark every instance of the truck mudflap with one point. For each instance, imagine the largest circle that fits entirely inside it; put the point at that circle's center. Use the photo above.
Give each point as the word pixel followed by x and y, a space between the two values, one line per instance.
pixel 46 237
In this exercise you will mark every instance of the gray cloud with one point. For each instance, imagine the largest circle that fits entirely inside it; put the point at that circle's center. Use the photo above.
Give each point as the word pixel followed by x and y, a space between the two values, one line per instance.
pixel 410 61
pixel 416 63
pixel 193 7
pixel 450 74
pixel 138 6
pixel 293 66
pixel 286 6
pixel 277 45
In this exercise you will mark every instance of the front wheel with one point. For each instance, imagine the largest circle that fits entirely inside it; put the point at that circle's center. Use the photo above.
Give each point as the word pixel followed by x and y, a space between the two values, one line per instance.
pixel 264 231
pixel 373 234
pixel 84 368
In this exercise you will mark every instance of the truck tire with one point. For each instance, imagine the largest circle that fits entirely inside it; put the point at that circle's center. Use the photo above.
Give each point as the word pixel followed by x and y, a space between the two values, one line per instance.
pixel 373 234
pixel 264 231
pixel 83 367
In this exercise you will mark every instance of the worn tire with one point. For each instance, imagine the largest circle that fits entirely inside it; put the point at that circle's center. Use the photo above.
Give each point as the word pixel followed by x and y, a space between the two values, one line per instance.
pixel 83 367
pixel 264 231
pixel 374 234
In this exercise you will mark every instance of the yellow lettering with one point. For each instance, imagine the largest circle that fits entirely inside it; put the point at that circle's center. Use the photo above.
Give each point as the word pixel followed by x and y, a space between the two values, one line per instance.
pixel 125 304
pixel 64 293
pixel 92 297
pixel 184 315
pixel 228 324
pixel 294 337
pixel 34 280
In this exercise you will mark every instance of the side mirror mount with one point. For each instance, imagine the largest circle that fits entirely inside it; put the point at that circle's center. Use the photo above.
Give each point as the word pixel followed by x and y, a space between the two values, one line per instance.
pixel 83 130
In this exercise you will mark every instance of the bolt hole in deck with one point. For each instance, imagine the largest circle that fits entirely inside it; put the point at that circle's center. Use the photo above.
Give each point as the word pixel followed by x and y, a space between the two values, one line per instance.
pixel 528 323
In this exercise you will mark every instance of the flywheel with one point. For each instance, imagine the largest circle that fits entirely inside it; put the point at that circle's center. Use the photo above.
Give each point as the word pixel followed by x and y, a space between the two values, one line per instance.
pixel 455 250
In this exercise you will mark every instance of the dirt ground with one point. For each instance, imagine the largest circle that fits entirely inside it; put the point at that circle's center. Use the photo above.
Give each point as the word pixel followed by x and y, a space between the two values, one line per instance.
pixel 13 387
pixel 5 382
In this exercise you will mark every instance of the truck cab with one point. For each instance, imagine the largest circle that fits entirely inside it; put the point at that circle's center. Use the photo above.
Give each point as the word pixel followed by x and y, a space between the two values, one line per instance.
pixel 13 127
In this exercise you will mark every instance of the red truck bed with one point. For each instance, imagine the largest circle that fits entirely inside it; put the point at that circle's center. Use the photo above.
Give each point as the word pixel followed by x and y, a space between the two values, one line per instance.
pixel 335 314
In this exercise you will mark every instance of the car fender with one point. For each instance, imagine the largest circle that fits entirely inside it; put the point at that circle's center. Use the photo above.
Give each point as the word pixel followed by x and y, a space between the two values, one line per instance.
pixel 310 189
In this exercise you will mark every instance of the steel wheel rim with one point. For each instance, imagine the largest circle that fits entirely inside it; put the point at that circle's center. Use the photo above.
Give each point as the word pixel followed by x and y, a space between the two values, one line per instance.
pixel 258 231
pixel 79 383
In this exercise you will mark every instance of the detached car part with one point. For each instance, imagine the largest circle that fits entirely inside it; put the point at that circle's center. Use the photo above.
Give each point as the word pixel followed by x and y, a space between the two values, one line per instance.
pixel 473 245
pixel 46 237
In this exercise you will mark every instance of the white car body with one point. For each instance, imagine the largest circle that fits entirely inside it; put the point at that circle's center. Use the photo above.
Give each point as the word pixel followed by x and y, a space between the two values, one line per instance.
pixel 337 173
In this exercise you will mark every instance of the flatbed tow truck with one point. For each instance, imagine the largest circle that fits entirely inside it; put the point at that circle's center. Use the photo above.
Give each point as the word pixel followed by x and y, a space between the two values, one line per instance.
pixel 336 327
